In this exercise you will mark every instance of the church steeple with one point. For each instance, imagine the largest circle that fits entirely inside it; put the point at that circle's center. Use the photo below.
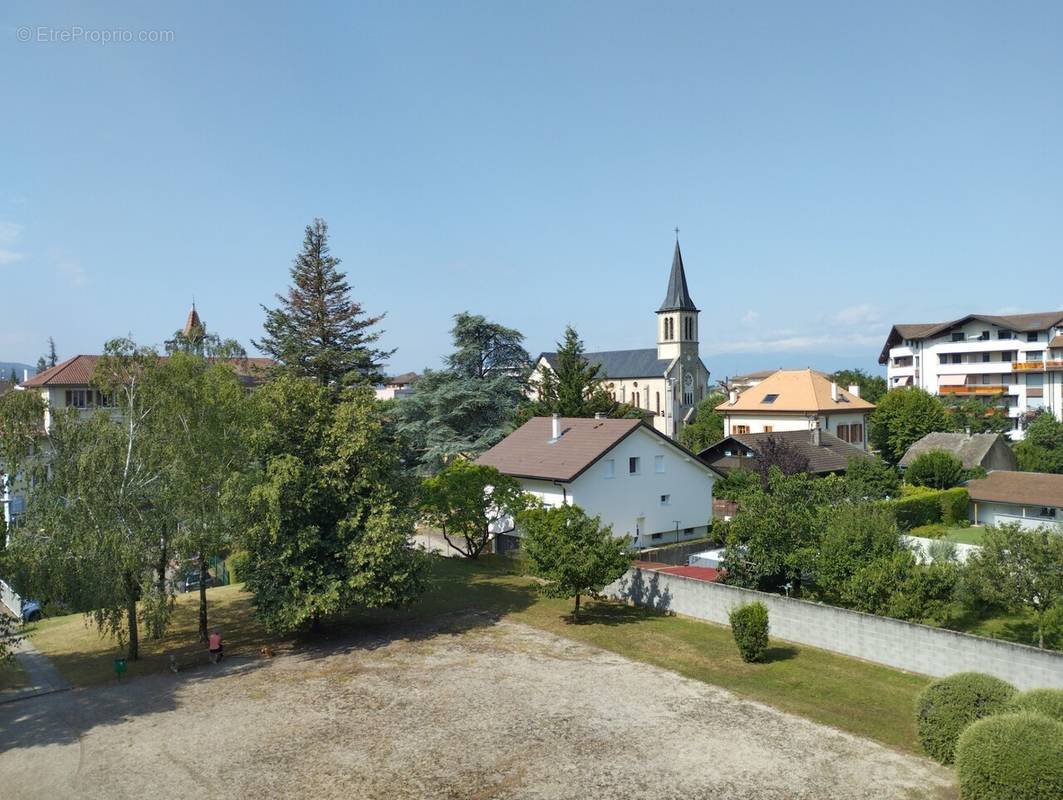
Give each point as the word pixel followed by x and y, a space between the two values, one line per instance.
pixel 193 325
pixel 678 296
pixel 677 318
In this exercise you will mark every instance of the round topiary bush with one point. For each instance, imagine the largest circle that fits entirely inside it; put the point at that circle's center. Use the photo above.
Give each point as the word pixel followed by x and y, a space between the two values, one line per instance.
pixel 749 624
pixel 949 705
pixel 1011 757
pixel 1041 701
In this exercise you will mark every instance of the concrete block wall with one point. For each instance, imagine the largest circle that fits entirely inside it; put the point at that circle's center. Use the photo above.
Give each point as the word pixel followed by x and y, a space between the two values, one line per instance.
pixel 893 643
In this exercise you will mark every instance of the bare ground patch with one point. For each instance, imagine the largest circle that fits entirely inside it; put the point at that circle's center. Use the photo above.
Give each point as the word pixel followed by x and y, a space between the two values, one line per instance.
pixel 496 711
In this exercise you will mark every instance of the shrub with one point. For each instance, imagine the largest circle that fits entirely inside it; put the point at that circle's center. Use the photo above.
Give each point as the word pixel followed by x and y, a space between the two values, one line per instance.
pixel 236 565
pixel 936 469
pixel 749 624
pixel 935 530
pixel 1041 701
pixel 1016 756
pixel 954 504
pixel 917 509
pixel 949 705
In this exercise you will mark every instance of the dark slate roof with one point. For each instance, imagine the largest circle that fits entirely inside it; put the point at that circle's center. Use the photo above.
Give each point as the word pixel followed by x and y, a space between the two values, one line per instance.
pixel 971 449
pixel 678 297
pixel 622 363
pixel 832 454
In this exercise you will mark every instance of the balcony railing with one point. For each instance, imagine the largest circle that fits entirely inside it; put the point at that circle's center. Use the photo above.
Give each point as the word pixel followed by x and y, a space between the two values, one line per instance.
pixel 1038 366
pixel 973 389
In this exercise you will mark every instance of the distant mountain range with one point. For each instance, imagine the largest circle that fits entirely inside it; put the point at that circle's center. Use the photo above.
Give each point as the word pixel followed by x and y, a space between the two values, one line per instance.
pixel 7 366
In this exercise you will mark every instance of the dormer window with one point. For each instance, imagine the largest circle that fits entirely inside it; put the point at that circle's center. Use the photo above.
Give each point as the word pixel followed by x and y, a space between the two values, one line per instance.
pixel 770 398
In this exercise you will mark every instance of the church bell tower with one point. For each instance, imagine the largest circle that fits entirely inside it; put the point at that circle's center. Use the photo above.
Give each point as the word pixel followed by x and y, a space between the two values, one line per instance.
pixel 677 318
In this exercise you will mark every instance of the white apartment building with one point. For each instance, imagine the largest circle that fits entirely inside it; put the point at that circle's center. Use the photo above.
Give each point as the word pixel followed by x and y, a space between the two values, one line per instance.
pixel 1016 360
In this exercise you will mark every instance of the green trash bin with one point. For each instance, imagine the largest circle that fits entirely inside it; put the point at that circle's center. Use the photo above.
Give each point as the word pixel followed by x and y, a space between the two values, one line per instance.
pixel 120 666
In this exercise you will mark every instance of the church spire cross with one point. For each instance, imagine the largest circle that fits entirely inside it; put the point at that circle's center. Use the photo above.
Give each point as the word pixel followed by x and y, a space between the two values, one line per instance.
pixel 678 296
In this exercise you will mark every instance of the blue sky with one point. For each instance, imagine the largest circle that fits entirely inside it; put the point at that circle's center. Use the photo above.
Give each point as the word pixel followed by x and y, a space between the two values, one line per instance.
pixel 833 168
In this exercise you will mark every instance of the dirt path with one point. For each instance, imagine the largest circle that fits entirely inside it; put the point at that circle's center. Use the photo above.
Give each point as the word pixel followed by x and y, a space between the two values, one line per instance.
pixel 496 711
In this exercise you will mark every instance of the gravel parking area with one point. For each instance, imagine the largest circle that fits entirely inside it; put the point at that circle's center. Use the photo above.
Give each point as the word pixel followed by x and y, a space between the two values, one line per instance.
pixel 479 710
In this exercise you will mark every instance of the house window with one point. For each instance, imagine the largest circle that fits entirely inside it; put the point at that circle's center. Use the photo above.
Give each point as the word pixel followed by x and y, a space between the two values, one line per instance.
pixel 983 336
pixel 1047 512
pixel 739 429
pixel 688 398
pixel 77 398
pixel 957 358
pixel 633 465
pixel 1034 355
pixel 768 428
pixel 943 358
pixel 658 464
pixel 1031 337
pixel 985 358
pixel 610 467
pixel 957 336
pixel 656 536
pixel 1003 334
pixel 1007 355
pixel 770 398
pixel 856 433
pixel 666 499
pixel 843 433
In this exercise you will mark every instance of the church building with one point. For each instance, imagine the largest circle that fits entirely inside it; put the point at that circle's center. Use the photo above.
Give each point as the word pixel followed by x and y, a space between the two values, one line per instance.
pixel 668 380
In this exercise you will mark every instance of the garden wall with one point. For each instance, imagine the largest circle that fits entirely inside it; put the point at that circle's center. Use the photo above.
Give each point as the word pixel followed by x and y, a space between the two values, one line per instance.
pixel 894 643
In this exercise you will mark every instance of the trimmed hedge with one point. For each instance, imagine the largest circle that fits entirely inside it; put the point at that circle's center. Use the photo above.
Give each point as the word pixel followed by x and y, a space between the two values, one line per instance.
pixel 930 507
pixel 954 504
pixel 749 624
pixel 947 706
pixel 1041 701
pixel 1011 757
pixel 917 509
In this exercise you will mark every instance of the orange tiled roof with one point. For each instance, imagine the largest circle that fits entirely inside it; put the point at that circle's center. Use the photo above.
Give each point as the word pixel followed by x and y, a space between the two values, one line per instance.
pixel 800 390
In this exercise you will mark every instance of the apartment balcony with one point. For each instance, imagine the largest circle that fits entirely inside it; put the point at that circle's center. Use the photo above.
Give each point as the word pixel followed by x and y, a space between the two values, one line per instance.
pixel 974 389
pixel 1038 366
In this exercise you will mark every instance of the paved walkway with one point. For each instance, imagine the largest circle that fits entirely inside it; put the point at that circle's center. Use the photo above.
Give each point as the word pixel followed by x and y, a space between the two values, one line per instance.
pixel 41 674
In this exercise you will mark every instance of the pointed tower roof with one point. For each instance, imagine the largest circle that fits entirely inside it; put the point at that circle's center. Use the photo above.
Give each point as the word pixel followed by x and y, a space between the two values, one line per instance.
pixel 678 297
pixel 193 323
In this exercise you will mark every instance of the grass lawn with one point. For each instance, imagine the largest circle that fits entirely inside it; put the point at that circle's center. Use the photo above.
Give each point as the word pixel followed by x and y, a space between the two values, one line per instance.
pixel 968 535
pixel 853 695
pixel 85 658
pixel 953 533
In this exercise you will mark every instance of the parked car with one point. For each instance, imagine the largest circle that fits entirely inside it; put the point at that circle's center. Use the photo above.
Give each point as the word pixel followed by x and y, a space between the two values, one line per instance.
pixel 31 611
pixel 192 580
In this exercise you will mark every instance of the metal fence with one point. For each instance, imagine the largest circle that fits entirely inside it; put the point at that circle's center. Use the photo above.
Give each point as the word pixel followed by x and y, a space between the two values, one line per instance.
pixel 674 555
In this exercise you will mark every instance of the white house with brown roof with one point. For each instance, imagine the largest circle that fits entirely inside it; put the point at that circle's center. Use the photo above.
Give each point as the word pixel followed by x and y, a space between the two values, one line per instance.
pixel 1016 359
pixel 798 400
pixel 667 380
pixel 1031 499
pixel 631 475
